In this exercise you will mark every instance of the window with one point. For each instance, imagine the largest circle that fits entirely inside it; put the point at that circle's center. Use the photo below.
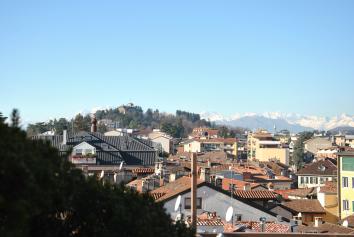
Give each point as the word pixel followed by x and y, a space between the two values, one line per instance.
pixel 78 151
pixel 302 180
pixel 345 205
pixel 238 217
pixel 345 182
pixel 321 181
pixel 352 182
pixel 187 203
pixel 348 163
pixel 312 180
pixel 307 180
pixel 89 151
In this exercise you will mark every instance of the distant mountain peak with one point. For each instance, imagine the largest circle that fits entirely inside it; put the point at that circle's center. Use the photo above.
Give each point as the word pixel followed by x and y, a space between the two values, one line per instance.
pixel 282 120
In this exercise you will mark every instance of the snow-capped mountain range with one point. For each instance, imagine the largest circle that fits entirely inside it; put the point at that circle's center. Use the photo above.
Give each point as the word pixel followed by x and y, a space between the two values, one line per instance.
pixel 291 121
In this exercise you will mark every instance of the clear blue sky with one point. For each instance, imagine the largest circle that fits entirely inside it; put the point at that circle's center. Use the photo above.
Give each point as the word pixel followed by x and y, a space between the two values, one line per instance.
pixel 60 57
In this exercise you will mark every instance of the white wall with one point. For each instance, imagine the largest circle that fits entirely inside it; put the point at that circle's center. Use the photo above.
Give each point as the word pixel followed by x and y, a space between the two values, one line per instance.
pixel 216 201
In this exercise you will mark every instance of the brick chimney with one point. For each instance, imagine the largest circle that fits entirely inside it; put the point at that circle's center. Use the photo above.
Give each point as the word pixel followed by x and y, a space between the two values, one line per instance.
pixel 205 174
pixel 94 124
pixel 247 176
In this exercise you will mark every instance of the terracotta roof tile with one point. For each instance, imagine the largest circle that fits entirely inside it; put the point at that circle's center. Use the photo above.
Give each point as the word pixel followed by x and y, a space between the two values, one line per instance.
pixel 300 192
pixel 322 167
pixel 256 194
pixel 171 189
pixel 269 227
pixel 305 206
pixel 325 228
pixel 330 187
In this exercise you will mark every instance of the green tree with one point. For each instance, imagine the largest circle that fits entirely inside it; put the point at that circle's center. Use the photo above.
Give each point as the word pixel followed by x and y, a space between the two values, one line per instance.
pixel 2 118
pixel 101 128
pixel 15 118
pixel 298 153
pixel 81 123
pixel 42 194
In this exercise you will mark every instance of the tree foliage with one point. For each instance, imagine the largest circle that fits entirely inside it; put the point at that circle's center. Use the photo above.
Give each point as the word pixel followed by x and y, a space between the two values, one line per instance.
pixel 42 194
pixel 15 118
pixel 298 154
pixel 179 125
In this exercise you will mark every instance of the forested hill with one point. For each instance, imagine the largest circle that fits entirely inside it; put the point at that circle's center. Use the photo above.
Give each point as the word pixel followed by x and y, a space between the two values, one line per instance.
pixel 178 125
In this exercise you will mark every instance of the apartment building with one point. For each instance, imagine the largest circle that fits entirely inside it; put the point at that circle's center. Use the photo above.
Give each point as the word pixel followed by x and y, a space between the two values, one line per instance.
pixel 346 184
pixel 262 146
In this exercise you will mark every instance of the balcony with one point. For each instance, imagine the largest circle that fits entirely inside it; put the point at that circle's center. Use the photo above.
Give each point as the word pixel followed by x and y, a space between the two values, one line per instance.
pixel 83 159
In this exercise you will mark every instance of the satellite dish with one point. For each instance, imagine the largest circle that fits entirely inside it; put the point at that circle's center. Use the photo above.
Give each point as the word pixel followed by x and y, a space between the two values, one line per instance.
pixel 102 174
pixel 178 203
pixel 121 165
pixel 229 214
pixel 345 223
pixel 115 177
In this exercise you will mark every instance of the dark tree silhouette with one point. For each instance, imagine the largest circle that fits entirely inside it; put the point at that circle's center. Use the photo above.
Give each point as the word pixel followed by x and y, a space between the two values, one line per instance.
pixel 42 194
pixel 15 118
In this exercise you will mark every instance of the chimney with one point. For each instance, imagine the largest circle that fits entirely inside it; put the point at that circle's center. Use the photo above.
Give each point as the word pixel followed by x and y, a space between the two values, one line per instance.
pixel 247 176
pixel 209 163
pixel 318 221
pixel 205 174
pixel 94 124
pixel 172 177
pixel 64 137
pixel 247 187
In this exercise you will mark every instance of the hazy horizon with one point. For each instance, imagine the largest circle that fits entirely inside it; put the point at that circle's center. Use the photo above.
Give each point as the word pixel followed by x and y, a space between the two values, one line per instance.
pixel 58 58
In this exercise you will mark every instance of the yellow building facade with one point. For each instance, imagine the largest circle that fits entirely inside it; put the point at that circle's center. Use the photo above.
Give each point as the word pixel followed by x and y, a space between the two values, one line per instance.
pixel 263 147
pixel 346 184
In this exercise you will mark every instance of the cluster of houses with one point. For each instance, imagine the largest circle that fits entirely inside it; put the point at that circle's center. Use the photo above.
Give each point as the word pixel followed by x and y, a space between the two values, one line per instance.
pixel 250 173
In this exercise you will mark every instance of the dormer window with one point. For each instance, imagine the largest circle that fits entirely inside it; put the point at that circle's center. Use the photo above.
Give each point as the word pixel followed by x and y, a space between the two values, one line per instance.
pixel 78 152
pixel 84 149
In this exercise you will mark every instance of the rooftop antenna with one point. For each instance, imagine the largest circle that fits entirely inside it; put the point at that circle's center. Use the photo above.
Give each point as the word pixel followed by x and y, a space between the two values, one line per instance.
pixel 178 208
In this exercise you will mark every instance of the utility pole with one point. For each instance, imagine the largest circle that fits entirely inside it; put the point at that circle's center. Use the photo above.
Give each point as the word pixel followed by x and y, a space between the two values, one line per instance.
pixel 194 190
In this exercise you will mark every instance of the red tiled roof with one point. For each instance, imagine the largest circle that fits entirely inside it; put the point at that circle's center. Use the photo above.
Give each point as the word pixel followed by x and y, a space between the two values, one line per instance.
pixel 156 195
pixel 305 206
pixel 238 183
pixel 269 227
pixel 174 188
pixel 330 187
pixel 255 194
pixel 277 178
pixel 301 192
pixel 325 228
pixel 209 222
pixel 322 167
